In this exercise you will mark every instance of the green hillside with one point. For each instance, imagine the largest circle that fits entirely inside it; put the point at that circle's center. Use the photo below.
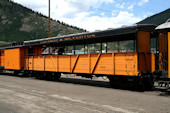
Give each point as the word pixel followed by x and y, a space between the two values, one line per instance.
pixel 18 23
pixel 157 19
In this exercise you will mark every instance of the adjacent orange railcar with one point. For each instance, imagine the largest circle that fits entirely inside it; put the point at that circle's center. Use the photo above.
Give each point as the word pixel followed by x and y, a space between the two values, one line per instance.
pixel 2 58
pixel 14 59
pixel 163 54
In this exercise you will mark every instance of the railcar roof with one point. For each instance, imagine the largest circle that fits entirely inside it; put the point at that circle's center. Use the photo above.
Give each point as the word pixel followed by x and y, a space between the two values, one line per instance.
pixel 92 35
pixel 12 45
pixel 85 36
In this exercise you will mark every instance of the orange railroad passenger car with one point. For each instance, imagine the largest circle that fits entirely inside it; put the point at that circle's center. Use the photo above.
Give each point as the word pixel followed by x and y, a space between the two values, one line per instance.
pixel 123 55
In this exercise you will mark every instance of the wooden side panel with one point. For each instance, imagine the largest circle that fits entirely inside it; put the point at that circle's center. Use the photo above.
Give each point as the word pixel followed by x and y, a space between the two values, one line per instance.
pixel 23 52
pixel 30 63
pixel 163 42
pixel 82 65
pixel 120 64
pixel 146 62
pixel 161 64
pixel 73 60
pixel 143 63
pixel 93 60
pixel 2 61
pixel 131 64
pixel 152 62
pixel 104 65
pixel 2 58
pixel 143 41
pixel 38 63
pixel 108 64
pixel 51 63
pixel 64 63
pixel 13 59
pixel 27 63
pixel 126 64
pixel 163 50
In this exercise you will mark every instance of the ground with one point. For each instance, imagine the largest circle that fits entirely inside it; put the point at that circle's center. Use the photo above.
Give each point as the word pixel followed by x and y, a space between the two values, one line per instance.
pixel 75 95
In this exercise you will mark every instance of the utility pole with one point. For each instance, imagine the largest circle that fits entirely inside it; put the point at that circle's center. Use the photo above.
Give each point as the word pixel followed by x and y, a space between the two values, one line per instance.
pixel 49 29
pixel 49 32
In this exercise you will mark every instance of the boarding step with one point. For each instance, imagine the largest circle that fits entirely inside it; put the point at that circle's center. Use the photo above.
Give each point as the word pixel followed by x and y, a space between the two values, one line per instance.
pixel 163 86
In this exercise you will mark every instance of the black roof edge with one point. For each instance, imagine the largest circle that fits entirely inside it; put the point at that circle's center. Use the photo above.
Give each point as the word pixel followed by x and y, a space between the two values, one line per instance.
pixel 12 45
pixel 165 30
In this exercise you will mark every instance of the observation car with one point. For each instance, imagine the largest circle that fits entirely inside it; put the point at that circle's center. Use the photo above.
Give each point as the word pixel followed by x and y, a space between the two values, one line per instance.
pixel 122 54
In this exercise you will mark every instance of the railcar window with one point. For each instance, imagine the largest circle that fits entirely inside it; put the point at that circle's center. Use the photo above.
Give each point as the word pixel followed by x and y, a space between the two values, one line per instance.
pixel 54 50
pixel 85 49
pixel 93 48
pixel 97 47
pixel 153 45
pixel 127 46
pixel 45 51
pixel 79 49
pixel 120 46
pixel 69 50
pixel 154 42
pixel 112 47
pixel 61 51
pixel 104 47
pixel 90 48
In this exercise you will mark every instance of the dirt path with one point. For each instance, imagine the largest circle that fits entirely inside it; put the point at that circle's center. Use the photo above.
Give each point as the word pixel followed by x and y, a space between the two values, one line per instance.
pixel 28 95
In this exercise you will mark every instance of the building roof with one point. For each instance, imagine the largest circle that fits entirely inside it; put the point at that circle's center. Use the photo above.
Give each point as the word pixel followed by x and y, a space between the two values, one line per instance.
pixel 164 27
